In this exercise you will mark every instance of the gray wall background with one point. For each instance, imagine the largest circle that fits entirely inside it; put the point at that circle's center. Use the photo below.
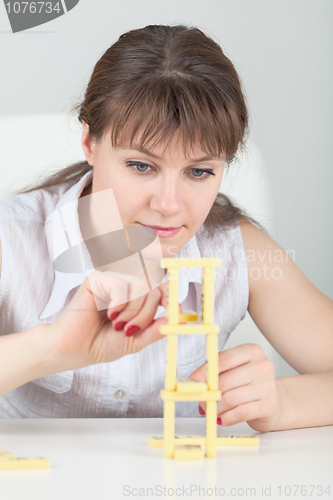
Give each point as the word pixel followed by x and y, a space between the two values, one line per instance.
pixel 283 53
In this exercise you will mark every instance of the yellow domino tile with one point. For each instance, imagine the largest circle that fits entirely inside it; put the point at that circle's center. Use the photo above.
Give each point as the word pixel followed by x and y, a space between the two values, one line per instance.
pixel 237 440
pixel 207 296
pixel 190 396
pixel 185 316
pixel 170 381
pixel 191 386
pixel 171 348
pixel 170 376
pixel 158 442
pixel 5 455
pixel 169 428
pixel 24 463
pixel 220 440
pixel 190 262
pixel 173 304
pixel 212 362
pixel 185 440
pixel 211 415
pixel 189 452
pixel 189 329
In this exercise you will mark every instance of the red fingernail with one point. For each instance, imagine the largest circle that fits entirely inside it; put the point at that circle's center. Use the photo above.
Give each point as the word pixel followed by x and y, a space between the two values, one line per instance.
pixel 114 315
pixel 120 325
pixel 132 330
pixel 219 421
pixel 201 411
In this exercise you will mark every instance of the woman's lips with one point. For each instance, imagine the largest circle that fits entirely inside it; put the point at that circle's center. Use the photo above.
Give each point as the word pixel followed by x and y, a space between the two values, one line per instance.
pixel 163 233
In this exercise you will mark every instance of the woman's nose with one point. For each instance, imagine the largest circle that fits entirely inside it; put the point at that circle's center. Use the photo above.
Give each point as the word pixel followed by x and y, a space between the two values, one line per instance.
pixel 167 197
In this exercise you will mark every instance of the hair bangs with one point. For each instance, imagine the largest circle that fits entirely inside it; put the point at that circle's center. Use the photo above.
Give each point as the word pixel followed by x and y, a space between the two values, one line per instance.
pixel 163 111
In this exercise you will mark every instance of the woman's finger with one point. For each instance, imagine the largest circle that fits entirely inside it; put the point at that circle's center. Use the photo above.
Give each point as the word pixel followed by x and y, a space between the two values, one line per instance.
pixel 129 312
pixel 111 289
pixel 147 336
pixel 243 413
pixel 136 288
pixel 240 355
pixel 145 316
pixel 163 287
pixel 147 312
pixel 245 374
pixel 237 397
pixel 199 374
pixel 126 294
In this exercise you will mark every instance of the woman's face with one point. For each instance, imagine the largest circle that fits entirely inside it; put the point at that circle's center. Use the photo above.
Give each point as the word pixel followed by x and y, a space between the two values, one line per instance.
pixel 154 188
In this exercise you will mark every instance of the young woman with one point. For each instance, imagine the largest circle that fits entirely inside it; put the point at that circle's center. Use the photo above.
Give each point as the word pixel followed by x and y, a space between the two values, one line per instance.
pixel 162 118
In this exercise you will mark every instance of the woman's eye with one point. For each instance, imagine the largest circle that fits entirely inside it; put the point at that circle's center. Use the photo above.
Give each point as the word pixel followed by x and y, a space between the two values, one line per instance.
pixel 200 171
pixel 137 164
pixel 198 174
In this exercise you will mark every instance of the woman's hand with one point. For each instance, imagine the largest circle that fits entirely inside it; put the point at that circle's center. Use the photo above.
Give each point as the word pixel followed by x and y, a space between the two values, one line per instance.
pixel 250 391
pixel 85 335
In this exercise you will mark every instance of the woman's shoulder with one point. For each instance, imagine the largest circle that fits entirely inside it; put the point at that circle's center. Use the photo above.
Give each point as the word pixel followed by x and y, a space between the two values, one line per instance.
pixel 34 206
pixel 255 238
pixel 266 260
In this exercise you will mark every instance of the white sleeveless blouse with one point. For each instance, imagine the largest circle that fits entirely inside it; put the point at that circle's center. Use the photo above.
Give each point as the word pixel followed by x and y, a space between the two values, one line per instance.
pixel 32 292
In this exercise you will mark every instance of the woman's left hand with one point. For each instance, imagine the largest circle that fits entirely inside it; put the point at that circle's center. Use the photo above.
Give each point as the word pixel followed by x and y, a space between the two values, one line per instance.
pixel 250 391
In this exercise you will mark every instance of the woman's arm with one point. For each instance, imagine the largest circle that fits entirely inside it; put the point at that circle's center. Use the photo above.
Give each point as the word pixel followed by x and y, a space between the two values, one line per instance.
pixel 83 335
pixel 297 320
pixel 28 355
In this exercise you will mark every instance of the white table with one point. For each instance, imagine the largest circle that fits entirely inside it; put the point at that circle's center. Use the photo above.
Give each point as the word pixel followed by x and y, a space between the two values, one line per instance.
pixel 106 459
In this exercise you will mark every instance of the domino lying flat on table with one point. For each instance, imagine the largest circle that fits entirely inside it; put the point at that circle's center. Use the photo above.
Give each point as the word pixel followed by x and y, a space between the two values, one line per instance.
pixel 8 461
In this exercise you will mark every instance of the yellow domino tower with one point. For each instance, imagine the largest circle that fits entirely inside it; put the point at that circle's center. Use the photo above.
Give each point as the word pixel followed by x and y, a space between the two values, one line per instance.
pixel 190 447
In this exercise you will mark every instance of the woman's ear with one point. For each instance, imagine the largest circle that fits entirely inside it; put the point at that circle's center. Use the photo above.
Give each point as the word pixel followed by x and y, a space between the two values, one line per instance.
pixel 87 144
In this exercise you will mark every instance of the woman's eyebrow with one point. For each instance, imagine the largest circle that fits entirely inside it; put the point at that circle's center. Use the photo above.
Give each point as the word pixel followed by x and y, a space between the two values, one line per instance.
pixel 146 151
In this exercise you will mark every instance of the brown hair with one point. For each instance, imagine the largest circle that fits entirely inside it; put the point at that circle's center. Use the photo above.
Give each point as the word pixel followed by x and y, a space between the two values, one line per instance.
pixel 155 81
